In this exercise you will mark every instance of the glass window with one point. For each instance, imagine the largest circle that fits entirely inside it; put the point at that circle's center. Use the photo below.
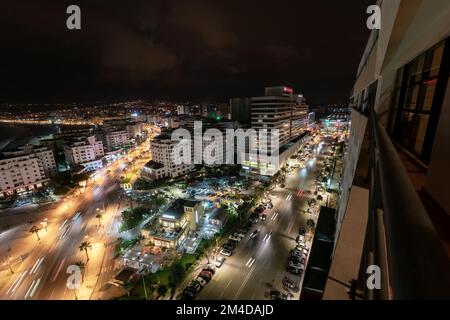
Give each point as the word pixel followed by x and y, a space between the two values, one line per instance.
pixel 437 58
pixel 419 68
pixel 421 131
pixel 430 88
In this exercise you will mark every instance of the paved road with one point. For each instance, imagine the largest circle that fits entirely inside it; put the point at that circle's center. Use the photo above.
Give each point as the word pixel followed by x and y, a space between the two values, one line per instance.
pixel 42 274
pixel 258 266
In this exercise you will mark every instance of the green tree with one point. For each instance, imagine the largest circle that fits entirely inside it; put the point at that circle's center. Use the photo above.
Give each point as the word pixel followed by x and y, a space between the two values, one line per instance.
pixel 81 265
pixel 162 290
pixel 176 276
pixel 84 246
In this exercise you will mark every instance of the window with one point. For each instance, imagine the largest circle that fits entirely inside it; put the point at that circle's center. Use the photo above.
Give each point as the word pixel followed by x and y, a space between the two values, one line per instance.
pixel 415 105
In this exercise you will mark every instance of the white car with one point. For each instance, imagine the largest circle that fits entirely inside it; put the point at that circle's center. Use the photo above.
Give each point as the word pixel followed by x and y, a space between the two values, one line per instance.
pixel 219 261
pixel 225 252
pixel 201 281
pixel 235 237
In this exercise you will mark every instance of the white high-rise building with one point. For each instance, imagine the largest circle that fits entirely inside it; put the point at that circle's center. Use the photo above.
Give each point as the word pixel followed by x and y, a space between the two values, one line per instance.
pixel 163 160
pixel 116 139
pixel 25 168
pixel 86 151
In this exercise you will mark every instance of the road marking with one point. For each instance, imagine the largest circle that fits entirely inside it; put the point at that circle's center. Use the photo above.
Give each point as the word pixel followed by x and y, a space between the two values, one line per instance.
pixel 34 265
pixel 62 225
pixel 228 284
pixel 274 216
pixel 16 282
pixel 244 284
pixel 30 288
pixel 35 287
pixel 58 270
pixel 38 265
pixel 289 197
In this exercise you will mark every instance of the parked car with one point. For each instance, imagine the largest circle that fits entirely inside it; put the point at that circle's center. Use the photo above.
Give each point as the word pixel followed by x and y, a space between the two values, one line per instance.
pixel 302 231
pixel 298 260
pixel 290 285
pixel 232 244
pixel 263 217
pixel 297 265
pixel 207 275
pixel 235 237
pixel 225 252
pixel 210 268
pixel 277 295
pixel 298 254
pixel 294 270
pixel 219 261
pixel 190 291
pixel 201 281
pixel 195 285
pixel 187 295
pixel 241 233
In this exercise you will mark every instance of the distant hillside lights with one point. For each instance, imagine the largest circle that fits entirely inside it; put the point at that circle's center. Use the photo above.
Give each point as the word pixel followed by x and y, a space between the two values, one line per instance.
pixel 260 146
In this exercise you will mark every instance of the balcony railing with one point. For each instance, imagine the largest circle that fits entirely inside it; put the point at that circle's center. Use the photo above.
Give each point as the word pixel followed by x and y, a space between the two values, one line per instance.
pixel 400 237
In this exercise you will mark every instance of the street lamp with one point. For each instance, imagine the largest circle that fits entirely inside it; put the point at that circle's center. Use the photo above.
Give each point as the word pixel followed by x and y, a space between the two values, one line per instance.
pixel 44 224
pixel 8 262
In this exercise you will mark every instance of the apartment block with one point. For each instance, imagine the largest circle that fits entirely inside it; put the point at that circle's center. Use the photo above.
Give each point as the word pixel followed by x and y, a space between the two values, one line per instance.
pixel 25 168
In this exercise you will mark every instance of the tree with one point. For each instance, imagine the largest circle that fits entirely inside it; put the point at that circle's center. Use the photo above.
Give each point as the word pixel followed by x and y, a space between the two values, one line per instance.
pixel 35 230
pixel 176 276
pixel 99 217
pixel 81 265
pixel 84 246
pixel 162 290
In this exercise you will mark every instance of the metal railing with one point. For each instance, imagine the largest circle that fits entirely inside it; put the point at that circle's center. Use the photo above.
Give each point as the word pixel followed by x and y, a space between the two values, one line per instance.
pixel 400 237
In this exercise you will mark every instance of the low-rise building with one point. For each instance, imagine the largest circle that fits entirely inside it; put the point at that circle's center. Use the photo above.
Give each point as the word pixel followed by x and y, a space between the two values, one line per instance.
pixel 172 227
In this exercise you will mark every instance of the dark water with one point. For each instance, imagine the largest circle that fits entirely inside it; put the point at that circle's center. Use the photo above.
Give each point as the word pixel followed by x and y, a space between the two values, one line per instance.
pixel 13 135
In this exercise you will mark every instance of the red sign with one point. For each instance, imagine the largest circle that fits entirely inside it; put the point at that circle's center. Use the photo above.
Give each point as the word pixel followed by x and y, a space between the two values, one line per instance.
pixel 287 90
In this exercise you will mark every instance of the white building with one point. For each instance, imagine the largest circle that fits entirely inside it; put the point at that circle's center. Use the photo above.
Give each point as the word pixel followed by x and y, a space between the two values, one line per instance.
pixel 116 139
pixel 163 160
pixel 86 151
pixel 25 168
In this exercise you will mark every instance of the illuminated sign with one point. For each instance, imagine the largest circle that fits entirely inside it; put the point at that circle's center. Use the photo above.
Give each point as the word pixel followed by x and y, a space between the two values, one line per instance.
pixel 288 90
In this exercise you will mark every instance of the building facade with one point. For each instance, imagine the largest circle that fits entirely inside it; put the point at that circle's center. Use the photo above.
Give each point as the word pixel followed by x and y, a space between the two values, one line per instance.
pixel 116 139
pixel 164 159
pixel 400 123
pixel 85 151
pixel 25 169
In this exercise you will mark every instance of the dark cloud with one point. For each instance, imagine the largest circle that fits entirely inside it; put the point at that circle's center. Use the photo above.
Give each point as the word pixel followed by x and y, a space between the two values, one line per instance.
pixel 179 49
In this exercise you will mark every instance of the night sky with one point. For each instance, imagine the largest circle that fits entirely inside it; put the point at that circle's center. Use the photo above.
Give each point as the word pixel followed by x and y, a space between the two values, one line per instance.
pixel 180 49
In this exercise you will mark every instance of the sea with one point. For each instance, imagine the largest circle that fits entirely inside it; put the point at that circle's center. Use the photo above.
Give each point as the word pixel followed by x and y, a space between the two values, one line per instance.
pixel 13 135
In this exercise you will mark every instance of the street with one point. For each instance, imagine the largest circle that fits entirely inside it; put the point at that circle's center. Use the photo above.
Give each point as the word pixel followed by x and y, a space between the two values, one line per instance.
pixel 42 273
pixel 259 264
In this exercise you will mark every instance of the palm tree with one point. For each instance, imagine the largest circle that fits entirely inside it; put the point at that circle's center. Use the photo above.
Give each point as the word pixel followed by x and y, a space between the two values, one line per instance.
pixel 84 246
pixel 99 217
pixel 81 265
pixel 35 230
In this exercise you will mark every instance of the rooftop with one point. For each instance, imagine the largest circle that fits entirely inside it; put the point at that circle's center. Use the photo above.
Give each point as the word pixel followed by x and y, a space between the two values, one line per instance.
pixel 176 209
pixel 154 165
